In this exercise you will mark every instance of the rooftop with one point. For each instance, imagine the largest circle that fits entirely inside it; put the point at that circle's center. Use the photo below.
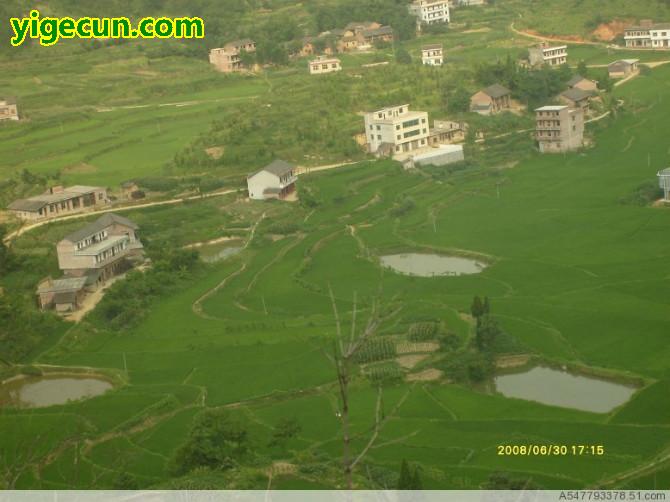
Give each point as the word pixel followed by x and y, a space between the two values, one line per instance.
pixel 551 108
pixel 39 201
pixel 576 94
pixel 277 167
pixel 577 79
pixel 432 47
pixel 497 91
pixel 98 225
pixel 63 285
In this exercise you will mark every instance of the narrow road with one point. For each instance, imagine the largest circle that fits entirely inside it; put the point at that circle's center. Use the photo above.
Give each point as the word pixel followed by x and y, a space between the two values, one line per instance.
pixel 178 200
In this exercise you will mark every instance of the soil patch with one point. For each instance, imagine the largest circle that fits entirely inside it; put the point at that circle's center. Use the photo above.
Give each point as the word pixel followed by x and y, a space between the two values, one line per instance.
pixel 408 362
pixel 429 375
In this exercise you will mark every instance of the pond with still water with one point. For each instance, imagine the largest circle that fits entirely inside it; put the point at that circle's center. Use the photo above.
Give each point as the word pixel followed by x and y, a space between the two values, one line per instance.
pixel 38 392
pixel 432 265
pixel 560 388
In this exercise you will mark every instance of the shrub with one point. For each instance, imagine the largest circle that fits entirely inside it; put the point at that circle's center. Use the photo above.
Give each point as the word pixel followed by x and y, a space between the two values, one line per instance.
pixel 376 349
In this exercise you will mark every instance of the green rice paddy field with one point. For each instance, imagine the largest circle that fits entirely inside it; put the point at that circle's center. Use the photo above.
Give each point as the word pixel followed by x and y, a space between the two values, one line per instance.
pixel 576 276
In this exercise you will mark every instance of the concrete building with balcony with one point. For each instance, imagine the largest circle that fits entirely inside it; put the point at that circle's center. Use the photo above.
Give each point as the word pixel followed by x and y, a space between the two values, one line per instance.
pixel 59 201
pixel 648 35
pixel 324 64
pixel 8 109
pixel 432 55
pixel 395 130
pixel 227 59
pixel 559 128
pixel 274 181
pixel 550 55
pixel 88 258
pixel 430 11
pixel 103 249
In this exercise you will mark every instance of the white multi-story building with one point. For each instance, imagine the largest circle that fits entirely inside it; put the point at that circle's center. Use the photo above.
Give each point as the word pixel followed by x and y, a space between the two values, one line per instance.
pixel 549 55
pixel 323 64
pixel 432 55
pixel 430 11
pixel 648 36
pixel 396 130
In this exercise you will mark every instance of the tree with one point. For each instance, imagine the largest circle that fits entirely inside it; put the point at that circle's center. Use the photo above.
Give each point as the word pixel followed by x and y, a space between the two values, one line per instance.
pixel 5 257
pixel 216 440
pixel 486 306
pixel 582 69
pixel 457 101
pixel 477 308
pixel 343 357
pixel 402 56
pixel 417 484
pixel 405 480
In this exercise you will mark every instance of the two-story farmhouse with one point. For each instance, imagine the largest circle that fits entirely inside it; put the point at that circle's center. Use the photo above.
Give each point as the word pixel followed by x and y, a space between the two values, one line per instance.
pixel 227 59
pixel 559 128
pixel 432 55
pixel 576 98
pixel 88 258
pixel 623 68
pixel 324 64
pixel 550 55
pixel 8 109
pixel 430 11
pixel 648 35
pixel 274 181
pixel 395 130
pixel 59 201
pixel 494 99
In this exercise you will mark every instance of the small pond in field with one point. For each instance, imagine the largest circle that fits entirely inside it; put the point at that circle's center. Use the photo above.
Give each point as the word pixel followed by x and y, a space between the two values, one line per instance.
pixel 560 388
pixel 38 392
pixel 213 253
pixel 432 265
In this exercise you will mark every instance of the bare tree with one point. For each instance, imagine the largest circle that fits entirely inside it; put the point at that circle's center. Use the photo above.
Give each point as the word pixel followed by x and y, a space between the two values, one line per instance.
pixel 342 357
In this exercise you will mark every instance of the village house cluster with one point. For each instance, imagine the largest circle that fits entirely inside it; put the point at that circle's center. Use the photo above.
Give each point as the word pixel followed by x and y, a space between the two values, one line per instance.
pixel 88 259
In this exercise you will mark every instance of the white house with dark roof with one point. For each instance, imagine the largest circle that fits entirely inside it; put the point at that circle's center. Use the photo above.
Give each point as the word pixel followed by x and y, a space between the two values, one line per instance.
pixel 58 201
pixel 274 181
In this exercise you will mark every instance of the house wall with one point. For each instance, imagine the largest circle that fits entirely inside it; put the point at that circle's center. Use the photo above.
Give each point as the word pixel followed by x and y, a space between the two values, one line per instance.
pixel 9 112
pixel 261 181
